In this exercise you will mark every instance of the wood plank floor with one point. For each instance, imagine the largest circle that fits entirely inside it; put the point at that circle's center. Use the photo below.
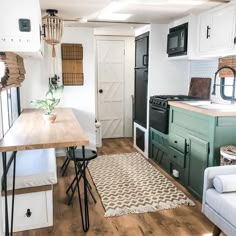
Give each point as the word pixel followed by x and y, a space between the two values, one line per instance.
pixel 183 221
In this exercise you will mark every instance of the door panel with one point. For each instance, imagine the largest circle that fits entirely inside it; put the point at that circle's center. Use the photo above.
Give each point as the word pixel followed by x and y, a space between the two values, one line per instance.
pixel 197 162
pixel 140 108
pixel 205 32
pixel 222 25
pixel 110 56
pixel 141 52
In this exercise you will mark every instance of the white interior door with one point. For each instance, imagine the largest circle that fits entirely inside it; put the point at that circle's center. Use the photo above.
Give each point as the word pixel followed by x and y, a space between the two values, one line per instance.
pixel 110 58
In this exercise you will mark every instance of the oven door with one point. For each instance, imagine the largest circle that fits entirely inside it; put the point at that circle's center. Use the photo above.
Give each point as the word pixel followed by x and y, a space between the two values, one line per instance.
pixel 159 118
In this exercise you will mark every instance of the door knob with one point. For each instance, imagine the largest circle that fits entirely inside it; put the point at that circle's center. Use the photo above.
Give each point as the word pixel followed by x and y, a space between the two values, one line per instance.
pixel 100 91
pixel 28 213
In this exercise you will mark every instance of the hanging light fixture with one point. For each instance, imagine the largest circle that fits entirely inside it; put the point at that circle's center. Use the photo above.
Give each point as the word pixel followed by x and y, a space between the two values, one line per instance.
pixel 53 29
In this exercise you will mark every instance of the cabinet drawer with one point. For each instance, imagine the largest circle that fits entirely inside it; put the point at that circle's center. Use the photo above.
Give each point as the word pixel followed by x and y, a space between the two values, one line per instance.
pixel 39 205
pixel 177 157
pixel 177 142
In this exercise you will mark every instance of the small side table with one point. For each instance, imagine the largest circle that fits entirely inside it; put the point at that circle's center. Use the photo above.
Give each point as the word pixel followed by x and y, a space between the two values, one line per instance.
pixel 228 155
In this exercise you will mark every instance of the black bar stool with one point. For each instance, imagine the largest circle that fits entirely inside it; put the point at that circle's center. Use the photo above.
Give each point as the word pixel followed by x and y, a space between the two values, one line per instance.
pixel 81 158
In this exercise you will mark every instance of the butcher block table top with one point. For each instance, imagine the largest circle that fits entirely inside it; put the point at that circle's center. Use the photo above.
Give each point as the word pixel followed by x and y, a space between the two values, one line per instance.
pixel 30 131
pixel 221 111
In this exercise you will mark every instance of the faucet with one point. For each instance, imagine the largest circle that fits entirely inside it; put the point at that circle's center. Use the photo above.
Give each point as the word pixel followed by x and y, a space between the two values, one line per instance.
pixel 233 85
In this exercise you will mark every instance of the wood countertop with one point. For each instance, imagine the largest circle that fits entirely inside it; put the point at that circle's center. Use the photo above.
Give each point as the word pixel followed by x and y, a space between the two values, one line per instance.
pixel 206 111
pixel 30 131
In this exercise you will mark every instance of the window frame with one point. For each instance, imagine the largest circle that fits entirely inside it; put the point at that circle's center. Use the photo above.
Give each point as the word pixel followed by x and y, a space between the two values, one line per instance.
pixel 222 90
pixel 9 104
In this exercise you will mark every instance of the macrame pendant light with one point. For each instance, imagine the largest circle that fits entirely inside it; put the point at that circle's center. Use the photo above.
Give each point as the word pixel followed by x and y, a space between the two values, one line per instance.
pixel 53 29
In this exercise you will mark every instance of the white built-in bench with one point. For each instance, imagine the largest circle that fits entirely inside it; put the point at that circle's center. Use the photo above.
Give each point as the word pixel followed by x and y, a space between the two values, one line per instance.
pixel 36 173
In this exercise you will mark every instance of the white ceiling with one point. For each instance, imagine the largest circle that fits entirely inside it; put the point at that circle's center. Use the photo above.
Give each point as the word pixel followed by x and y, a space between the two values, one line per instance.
pixel 141 11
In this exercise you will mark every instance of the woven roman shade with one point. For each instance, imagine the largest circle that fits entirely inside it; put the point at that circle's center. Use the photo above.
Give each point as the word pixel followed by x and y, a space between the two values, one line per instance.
pixel 227 61
pixel 72 64
pixel 14 70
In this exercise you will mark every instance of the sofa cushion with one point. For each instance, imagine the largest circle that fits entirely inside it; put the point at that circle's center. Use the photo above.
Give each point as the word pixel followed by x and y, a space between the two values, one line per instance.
pixel 225 183
pixel 34 168
pixel 223 203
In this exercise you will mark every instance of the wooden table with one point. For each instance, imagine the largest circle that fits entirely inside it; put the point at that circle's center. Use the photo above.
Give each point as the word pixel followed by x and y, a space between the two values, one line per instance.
pixel 30 131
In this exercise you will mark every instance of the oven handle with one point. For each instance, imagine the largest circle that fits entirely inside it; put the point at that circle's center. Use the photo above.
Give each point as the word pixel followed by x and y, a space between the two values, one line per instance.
pixel 158 109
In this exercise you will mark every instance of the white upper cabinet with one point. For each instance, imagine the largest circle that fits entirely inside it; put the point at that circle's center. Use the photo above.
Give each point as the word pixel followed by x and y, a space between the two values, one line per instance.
pixel 217 31
pixel 20 26
pixel 205 30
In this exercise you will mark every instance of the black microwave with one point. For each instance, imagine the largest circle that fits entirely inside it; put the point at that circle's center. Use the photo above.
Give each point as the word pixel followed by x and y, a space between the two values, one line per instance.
pixel 177 41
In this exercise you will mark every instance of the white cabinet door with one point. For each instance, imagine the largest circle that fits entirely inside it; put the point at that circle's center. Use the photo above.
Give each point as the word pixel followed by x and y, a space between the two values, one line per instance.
pixel 13 38
pixel 205 30
pixel 222 30
pixel 217 29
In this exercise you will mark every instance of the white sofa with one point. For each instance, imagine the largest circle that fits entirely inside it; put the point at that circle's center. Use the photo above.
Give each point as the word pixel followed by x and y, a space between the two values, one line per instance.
pixel 36 173
pixel 220 208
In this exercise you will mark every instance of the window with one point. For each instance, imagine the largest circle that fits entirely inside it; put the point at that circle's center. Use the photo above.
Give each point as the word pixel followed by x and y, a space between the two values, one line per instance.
pixel 9 98
pixel 10 109
pixel 226 88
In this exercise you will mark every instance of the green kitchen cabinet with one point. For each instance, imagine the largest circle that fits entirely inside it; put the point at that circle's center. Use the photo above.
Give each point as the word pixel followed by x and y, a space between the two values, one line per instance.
pixel 158 149
pixel 193 143
pixel 204 135
pixel 166 156
pixel 197 159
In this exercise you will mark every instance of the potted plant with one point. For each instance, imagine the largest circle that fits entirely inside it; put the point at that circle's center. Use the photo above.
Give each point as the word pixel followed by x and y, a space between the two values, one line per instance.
pixel 52 98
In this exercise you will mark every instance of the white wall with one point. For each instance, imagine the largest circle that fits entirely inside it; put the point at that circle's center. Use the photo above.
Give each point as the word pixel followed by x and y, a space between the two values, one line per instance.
pixel 80 98
pixel 124 30
pixel 166 76
pixel 142 30
pixel 207 69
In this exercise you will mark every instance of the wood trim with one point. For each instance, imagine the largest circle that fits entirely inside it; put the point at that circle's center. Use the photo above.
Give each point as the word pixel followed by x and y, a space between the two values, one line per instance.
pixel 30 190
pixel 199 109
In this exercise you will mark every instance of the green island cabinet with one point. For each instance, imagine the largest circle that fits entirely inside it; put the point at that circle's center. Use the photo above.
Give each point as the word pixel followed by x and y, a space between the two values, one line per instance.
pixel 193 143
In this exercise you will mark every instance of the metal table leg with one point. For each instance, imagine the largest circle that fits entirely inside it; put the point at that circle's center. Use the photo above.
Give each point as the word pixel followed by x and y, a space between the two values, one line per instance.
pixel 84 211
pixel 6 166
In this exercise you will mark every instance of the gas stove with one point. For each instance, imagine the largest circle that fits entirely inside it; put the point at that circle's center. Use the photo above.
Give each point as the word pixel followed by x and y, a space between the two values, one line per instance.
pixel 159 110
pixel 162 100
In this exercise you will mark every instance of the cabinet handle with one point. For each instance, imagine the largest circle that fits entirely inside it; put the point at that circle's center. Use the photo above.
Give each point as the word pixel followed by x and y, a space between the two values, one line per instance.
pixel 208 33
pixel 187 148
pixel 145 60
pixel 175 141
pixel 28 213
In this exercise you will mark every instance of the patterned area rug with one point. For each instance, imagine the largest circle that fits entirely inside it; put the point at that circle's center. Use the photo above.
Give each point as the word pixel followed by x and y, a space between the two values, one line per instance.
pixel 127 183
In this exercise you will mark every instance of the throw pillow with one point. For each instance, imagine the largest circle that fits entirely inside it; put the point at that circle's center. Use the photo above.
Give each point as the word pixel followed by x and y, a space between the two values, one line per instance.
pixel 225 183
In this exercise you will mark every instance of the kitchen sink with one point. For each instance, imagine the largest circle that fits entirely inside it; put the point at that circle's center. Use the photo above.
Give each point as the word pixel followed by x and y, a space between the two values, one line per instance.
pixel 212 106
pixel 197 103
pixel 216 106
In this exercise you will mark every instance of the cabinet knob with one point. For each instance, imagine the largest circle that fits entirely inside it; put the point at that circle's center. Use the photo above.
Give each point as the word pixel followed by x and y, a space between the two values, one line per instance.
pixel 28 213
pixel 100 91
pixel 175 141
pixel 175 156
